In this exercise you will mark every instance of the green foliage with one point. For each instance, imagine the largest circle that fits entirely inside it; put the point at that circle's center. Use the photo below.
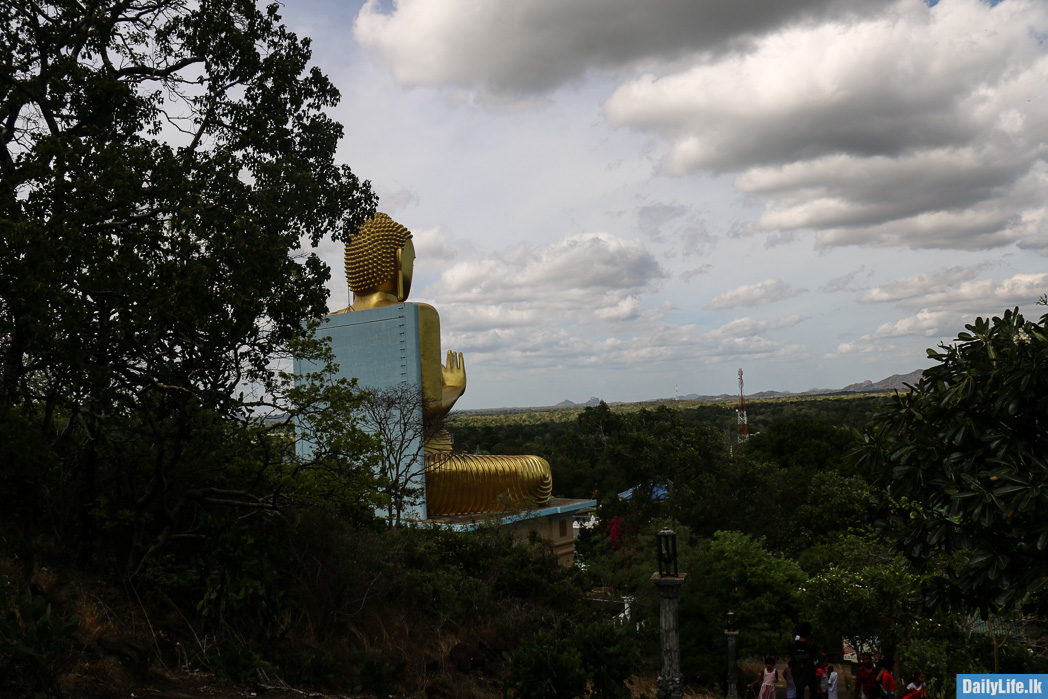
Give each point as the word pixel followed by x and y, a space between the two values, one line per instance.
pixel 238 659
pixel 879 593
pixel 736 573
pixel 610 655
pixel 961 457
pixel 468 575
pixel 320 670
pixel 27 627
pixel 338 469
pixel 730 572
pixel 546 666
pixel 374 675
pixel 152 276
pixel 574 440
pixel 394 415
pixel 944 645
pixel 30 636
pixel 786 484
pixel 603 653
pixel 648 448
pixel 241 586
pixel 805 443
pixel 173 575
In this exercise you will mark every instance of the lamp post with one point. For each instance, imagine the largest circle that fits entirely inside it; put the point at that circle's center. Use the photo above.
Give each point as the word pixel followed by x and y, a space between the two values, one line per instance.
pixel 671 683
pixel 666 545
pixel 732 633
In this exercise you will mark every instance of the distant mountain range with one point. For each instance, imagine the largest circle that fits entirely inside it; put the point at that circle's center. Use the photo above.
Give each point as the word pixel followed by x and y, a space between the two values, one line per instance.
pixel 567 403
pixel 892 383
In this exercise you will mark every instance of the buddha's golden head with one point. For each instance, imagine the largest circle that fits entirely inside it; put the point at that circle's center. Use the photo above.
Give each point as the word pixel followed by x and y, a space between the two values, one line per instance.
pixel 377 253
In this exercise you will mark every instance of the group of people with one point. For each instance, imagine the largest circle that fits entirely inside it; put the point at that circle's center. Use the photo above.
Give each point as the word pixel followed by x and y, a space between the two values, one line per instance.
pixel 808 669
pixel 878 681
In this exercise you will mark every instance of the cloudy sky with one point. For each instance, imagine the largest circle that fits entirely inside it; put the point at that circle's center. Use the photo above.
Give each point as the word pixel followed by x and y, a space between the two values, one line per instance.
pixel 622 199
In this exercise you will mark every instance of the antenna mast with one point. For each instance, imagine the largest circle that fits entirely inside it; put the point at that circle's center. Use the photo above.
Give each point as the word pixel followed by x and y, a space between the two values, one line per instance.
pixel 744 426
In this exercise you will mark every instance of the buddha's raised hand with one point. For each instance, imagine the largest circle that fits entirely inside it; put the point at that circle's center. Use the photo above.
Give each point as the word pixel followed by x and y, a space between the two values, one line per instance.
pixel 453 378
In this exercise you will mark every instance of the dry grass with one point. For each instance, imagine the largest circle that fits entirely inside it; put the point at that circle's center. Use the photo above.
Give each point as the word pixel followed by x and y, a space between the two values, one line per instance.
pixel 647 683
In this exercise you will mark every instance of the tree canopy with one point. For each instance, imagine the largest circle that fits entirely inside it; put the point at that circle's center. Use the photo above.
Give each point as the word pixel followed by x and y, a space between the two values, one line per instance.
pixel 963 458
pixel 161 164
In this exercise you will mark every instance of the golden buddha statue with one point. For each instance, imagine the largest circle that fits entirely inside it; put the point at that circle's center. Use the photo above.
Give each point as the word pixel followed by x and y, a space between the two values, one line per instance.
pixel 379 264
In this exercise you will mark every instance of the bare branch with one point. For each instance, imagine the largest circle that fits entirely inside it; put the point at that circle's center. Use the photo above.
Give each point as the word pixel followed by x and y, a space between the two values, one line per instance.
pixel 151 72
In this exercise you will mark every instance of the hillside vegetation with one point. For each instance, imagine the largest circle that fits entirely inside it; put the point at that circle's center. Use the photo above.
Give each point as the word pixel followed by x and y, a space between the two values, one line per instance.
pixel 777 529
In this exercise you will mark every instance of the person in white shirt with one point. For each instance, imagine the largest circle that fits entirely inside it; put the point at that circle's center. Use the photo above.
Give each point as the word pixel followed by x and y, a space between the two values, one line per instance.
pixel 831 684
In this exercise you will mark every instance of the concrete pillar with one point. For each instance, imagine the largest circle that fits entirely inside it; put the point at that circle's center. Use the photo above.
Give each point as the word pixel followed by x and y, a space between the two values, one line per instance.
pixel 733 670
pixel 671 683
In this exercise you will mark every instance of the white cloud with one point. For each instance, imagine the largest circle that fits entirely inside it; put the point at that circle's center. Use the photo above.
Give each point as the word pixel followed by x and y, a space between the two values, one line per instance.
pixel 586 300
pixel 923 127
pixel 689 274
pixel 643 345
pixel 861 346
pixel 843 282
pixel 583 273
pixel 926 323
pixel 957 289
pixel 677 225
pixel 920 285
pixel 396 200
pixel 628 308
pixel 766 292
pixel 788 322
pixel 528 46
pixel 948 299
pixel 437 250
pixel 985 297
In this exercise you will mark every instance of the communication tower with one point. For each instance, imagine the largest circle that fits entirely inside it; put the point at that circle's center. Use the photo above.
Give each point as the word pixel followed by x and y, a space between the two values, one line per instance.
pixel 744 425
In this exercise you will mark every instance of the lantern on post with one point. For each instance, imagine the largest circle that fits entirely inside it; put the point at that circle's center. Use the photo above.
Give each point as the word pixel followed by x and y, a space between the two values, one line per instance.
pixel 666 546
pixel 671 682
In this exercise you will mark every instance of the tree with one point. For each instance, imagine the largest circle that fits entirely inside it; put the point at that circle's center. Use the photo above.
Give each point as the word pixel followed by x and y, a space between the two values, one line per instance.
pixel 394 416
pixel 738 574
pixel 963 458
pixel 161 163
pixel 876 590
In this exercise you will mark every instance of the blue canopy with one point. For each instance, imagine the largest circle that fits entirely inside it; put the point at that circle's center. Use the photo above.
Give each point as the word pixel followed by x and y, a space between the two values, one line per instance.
pixel 659 491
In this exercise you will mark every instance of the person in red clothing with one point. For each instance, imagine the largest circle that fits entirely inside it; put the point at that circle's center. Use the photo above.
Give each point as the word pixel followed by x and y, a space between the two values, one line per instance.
pixel 915 689
pixel 886 679
pixel 866 680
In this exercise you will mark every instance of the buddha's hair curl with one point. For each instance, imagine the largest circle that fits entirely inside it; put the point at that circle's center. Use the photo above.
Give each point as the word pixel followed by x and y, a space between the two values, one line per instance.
pixel 371 255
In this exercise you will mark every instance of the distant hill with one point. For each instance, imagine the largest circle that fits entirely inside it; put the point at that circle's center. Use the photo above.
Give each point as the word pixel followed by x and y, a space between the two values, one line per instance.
pixel 567 403
pixel 892 383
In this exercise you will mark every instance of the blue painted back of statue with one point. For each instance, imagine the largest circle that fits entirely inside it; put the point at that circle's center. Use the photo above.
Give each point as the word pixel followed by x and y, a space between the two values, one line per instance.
pixel 380 348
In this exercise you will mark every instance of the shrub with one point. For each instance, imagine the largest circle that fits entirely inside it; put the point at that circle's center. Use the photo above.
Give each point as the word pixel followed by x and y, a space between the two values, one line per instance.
pixel 610 656
pixel 545 667
pixel 30 638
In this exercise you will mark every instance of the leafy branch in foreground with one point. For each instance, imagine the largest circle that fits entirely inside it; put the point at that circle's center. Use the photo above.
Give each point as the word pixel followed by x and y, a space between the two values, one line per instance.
pixel 962 458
